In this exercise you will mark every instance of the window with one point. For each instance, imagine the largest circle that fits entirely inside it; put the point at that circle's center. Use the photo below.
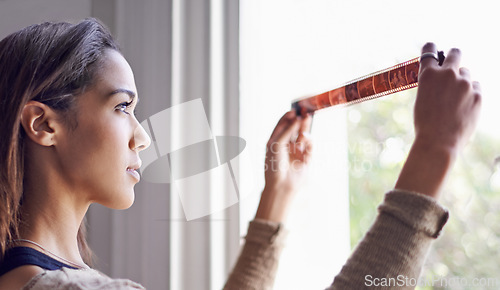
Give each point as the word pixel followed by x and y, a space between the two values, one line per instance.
pixel 292 49
pixel 289 49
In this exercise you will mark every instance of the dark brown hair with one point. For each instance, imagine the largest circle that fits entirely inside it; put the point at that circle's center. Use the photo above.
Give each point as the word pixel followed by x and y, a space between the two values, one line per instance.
pixel 51 63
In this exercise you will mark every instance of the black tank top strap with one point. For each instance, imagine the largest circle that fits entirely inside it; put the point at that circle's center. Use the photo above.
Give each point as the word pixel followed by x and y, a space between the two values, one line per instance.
pixel 21 256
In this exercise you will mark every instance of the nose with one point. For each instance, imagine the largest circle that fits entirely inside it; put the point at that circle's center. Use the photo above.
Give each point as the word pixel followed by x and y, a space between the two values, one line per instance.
pixel 140 140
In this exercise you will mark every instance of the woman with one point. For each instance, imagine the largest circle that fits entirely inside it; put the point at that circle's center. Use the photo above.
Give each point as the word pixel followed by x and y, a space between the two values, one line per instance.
pixel 67 98
pixel 70 139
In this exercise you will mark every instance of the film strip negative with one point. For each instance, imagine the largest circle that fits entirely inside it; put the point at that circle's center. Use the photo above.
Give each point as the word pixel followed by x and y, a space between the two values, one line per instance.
pixel 394 79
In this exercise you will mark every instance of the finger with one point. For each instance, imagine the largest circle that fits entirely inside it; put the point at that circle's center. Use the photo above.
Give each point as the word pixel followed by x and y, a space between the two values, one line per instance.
pixel 305 128
pixel 288 132
pixel 476 86
pixel 453 58
pixel 428 61
pixel 307 152
pixel 301 151
pixel 477 95
pixel 283 123
pixel 465 73
pixel 305 125
pixel 301 141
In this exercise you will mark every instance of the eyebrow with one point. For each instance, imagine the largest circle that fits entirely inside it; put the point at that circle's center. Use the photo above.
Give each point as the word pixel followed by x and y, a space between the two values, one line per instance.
pixel 131 94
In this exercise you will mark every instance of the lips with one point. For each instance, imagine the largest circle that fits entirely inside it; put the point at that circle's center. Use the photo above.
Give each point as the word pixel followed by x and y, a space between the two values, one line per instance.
pixel 134 173
pixel 132 170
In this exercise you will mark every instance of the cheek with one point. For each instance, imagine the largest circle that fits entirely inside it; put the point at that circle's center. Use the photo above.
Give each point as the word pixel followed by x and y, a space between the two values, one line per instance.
pixel 97 152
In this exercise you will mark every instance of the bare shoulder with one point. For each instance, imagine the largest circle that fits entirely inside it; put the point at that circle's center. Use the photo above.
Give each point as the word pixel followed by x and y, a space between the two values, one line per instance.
pixel 18 277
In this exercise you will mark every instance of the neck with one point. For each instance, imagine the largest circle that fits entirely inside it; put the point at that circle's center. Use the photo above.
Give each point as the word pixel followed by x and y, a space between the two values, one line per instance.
pixel 51 217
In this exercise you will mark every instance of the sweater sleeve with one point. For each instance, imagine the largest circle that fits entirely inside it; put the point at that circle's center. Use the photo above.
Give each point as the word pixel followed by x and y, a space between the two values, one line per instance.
pixel 258 261
pixel 394 249
pixel 395 246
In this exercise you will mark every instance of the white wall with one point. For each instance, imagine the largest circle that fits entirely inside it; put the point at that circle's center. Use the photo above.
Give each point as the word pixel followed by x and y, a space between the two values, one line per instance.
pixel 17 14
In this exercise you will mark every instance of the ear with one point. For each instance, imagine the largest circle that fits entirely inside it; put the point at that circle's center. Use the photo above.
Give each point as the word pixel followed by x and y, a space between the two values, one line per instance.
pixel 40 123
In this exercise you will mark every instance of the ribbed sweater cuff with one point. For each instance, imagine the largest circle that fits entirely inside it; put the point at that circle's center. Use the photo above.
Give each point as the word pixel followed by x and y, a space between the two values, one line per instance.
pixel 266 232
pixel 415 210
pixel 256 267
pixel 396 244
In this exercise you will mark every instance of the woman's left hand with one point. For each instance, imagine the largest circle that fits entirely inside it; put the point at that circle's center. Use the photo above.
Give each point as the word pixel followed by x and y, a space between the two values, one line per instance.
pixel 287 157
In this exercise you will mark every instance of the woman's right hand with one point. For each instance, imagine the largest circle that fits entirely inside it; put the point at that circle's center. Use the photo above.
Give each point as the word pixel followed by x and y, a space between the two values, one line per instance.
pixel 446 113
pixel 448 102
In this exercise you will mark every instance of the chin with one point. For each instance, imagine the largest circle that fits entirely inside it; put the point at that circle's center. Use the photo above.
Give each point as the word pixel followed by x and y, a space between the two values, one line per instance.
pixel 125 204
pixel 120 201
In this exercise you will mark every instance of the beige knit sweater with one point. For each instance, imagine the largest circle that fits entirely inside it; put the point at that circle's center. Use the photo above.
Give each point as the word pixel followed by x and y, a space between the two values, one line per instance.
pixel 395 245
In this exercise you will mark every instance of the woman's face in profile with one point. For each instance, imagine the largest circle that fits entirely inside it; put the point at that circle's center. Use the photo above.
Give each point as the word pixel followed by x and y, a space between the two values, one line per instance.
pixel 100 157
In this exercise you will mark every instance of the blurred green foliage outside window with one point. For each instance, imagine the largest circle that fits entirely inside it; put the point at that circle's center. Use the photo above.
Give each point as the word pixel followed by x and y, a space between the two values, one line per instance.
pixel 380 133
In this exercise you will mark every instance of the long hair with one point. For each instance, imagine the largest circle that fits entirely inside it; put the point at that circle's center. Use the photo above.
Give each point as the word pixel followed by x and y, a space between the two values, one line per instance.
pixel 52 63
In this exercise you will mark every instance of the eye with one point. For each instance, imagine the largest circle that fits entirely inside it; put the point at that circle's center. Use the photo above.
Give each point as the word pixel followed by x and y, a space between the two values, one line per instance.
pixel 124 106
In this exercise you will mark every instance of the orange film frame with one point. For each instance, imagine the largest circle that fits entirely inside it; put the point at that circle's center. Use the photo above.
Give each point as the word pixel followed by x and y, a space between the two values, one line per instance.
pixel 394 79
